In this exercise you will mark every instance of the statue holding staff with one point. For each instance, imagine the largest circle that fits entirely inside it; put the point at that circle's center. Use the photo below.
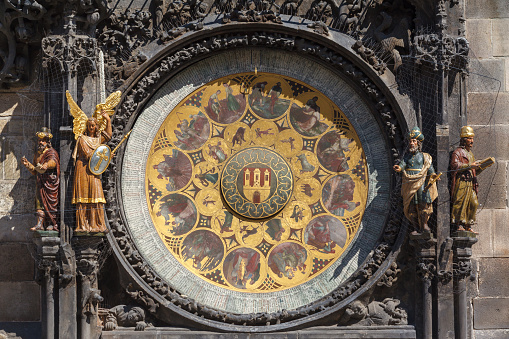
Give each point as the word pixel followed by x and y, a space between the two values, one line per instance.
pixel 418 188
pixel 90 134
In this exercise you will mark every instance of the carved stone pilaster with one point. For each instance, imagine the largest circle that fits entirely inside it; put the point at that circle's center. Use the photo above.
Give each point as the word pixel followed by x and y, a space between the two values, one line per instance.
pixel 462 251
pixel 87 254
pixel 462 268
pixel 425 250
pixel 47 268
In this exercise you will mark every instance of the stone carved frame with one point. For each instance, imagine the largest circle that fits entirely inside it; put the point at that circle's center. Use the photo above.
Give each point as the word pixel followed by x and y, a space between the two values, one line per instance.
pixel 144 283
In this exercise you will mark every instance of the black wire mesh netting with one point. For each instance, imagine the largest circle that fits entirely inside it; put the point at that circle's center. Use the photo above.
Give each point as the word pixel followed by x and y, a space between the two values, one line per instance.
pixel 44 102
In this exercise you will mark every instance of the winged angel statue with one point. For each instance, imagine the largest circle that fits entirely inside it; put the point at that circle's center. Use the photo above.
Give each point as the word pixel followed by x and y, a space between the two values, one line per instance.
pixel 91 158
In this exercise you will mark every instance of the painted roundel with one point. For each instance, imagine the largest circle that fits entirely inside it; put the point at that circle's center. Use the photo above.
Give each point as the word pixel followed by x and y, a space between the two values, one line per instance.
pixel 256 183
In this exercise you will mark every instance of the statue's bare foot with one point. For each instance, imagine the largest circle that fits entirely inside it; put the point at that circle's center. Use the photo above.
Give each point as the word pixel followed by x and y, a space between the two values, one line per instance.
pixel 471 230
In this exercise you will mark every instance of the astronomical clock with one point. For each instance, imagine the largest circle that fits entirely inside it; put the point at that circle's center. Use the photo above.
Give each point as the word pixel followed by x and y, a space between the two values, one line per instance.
pixel 251 192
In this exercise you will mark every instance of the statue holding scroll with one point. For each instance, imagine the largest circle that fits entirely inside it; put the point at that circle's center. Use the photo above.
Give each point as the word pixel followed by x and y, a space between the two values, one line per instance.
pixel 91 134
pixel 464 187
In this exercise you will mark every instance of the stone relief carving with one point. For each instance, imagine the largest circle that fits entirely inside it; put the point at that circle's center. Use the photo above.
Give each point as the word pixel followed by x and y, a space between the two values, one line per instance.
pixel 384 312
pixel 142 90
pixel 18 28
pixel 426 270
pixel 390 276
pixel 125 316
pixel 68 264
pixel 142 298
pixel 123 32
pixel 435 49
pixel 462 269
pixel 391 39
pixel 370 57
pixel 67 52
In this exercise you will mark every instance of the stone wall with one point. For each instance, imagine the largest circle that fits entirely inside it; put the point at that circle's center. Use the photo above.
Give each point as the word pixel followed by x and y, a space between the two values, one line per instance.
pixel 487 22
pixel 19 293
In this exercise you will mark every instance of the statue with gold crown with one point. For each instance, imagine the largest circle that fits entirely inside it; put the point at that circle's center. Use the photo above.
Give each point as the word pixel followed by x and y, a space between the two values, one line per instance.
pixel 464 186
pixel 418 183
pixel 91 157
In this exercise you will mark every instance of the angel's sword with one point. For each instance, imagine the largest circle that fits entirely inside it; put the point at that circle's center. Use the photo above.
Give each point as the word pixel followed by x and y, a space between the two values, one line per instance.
pixel 120 143
pixel 102 80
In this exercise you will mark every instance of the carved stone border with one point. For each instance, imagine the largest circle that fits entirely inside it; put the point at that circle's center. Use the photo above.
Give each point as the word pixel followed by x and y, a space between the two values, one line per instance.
pixel 370 272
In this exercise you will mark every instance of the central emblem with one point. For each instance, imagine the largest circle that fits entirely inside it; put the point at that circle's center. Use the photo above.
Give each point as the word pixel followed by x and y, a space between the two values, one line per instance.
pixel 256 183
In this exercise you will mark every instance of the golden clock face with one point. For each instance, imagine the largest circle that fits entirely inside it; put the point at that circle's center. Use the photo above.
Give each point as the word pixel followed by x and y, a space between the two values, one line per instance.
pixel 256 182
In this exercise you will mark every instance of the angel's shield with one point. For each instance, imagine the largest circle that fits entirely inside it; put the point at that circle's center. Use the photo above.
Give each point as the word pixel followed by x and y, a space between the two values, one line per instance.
pixel 100 159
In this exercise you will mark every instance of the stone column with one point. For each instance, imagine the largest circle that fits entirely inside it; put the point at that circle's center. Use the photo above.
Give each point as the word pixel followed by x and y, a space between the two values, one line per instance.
pixel 47 243
pixel 87 253
pixel 462 248
pixel 426 270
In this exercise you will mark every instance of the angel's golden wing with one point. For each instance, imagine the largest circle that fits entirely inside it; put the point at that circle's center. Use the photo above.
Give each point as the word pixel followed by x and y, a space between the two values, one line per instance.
pixel 80 118
pixel 108 107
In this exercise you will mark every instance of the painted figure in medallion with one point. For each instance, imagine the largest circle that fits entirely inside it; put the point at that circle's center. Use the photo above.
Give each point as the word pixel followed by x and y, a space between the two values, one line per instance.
pixel 179 213
pixel 193 134
pixel 228 110
pixel 204 248
pixel 47 173
pixel 270 106
pixel 332 151
pixel 324 233
pixel 274 229
pixel 90 133
pixel 288 258
pixel 176 168
pixel 417 190
pixel 464 187
pixel 307 120
pixel 338 195
pixel 242 267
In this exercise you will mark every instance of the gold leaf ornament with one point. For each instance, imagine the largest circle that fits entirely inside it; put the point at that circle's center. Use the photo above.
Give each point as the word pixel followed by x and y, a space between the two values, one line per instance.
pixel 80 118
pixel 108 107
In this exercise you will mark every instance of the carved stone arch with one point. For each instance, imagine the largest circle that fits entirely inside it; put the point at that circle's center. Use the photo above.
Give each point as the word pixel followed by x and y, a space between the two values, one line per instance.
pixel 392 116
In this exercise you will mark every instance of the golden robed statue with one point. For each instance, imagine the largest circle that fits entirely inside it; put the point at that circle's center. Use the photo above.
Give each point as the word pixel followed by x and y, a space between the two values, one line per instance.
pixel 91 157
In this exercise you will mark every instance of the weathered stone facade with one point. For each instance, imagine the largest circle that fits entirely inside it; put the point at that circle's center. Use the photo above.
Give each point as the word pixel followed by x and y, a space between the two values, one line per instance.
pixel 489 43
pixel 366 43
